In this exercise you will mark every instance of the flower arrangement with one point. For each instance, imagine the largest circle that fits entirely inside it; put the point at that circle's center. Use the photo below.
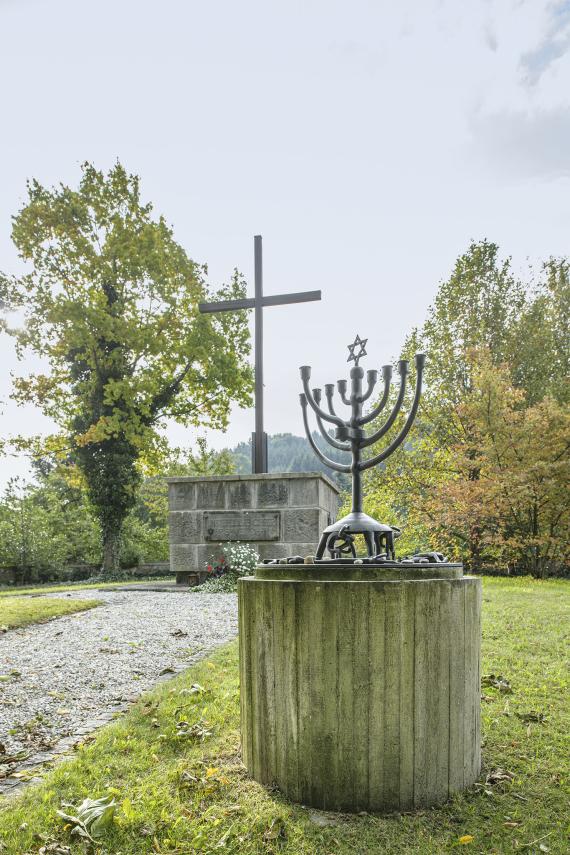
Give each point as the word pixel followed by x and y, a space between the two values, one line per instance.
pixel 225 568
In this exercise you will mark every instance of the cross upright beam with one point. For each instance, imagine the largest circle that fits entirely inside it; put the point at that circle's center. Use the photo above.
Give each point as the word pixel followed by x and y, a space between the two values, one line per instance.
pixel 258 303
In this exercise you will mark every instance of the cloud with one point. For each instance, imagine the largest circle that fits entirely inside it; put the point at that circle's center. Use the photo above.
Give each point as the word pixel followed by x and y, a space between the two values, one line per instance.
pixel 555 44
pixel 520 144
pixel 490 38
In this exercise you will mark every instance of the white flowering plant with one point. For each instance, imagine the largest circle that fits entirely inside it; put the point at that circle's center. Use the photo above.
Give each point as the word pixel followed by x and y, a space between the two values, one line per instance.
pixel 234 560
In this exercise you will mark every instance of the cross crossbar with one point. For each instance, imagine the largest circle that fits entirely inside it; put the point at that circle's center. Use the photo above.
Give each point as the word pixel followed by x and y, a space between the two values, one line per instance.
pixel 266 300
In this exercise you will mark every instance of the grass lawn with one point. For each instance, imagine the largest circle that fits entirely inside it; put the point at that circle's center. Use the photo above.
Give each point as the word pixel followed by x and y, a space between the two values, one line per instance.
pixel 75 586
pixel 21 611
pixel 182 788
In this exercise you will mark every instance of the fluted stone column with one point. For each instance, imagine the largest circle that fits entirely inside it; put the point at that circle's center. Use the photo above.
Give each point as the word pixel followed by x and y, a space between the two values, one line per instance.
pixel 360 686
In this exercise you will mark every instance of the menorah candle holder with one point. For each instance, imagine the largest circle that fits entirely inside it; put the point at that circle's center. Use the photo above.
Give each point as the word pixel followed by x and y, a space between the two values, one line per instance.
pixel 350 436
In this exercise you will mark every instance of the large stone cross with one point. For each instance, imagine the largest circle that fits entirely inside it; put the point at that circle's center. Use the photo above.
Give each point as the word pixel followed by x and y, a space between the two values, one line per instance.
pixel 259 437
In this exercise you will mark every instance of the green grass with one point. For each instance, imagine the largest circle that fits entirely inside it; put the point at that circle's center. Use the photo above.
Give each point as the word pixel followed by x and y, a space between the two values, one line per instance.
pixel 22 611
pixel 74 586
pixel 179 795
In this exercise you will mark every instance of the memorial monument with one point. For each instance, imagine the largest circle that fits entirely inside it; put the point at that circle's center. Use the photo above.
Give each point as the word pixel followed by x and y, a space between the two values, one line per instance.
pixel 279 514
pixel 360 674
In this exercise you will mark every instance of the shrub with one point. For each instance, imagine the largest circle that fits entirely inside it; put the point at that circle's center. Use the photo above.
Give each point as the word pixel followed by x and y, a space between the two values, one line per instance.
pixel 234 560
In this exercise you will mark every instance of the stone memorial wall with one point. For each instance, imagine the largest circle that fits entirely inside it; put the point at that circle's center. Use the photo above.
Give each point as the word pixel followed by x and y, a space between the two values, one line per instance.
pixel 281 515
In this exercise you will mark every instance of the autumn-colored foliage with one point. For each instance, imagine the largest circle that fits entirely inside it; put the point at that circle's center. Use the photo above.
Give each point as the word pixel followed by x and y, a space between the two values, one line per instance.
pixel 486 472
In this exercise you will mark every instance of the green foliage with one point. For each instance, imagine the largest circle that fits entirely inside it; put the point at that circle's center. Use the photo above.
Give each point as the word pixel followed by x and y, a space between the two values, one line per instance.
pixel 183 794
pixel 111 305
pixel 508 497
pixel 451 485
pixel 44 528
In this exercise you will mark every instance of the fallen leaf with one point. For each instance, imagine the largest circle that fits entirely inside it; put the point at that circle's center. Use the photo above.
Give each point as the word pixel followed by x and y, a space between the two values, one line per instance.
pixel 92 818
pixel 499 776
pixel 497 681
pixel 465 839
pixel 538 717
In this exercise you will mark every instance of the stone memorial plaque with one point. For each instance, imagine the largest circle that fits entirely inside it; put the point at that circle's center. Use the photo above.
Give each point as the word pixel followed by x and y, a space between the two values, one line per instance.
pixel 241 525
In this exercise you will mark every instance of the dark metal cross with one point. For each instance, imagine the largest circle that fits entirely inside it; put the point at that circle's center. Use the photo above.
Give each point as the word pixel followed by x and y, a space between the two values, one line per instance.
pixel 259 437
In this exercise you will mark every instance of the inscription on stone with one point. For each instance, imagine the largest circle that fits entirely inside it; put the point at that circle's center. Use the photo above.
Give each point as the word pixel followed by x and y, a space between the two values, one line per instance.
pixel 241 525
pixel 240 494
pixel 272 493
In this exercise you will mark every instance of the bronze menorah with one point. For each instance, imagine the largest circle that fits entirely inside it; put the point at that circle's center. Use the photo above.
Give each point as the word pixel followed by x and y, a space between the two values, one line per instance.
pixel 350 436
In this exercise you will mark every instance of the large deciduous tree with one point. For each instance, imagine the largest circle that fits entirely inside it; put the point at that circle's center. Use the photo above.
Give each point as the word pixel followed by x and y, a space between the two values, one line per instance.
pixel 488 484
pixel 110 301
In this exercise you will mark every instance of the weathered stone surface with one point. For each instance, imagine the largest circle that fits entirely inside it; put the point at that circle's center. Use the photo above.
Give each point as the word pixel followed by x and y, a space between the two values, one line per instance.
pixel 240 494
pixel 328 500
pixel 281 515
pixel 245 526
pixel 274 550
pixel 305 492
pixel 210 494
pixel 185 526
pixel 183 556
pixel 271 494
pixel 182 496
pixel 361 695
pixel 300 524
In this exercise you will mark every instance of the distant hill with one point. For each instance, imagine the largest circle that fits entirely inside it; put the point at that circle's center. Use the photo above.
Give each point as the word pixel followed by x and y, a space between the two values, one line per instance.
pixel 289 453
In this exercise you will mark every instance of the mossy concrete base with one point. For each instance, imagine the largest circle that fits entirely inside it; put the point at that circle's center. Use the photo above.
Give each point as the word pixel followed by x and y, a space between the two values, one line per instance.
pixel 361 693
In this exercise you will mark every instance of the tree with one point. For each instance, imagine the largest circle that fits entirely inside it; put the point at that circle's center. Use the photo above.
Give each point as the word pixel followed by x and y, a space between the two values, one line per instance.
pixel 46 527
pixel 517 506
pixel 111 305
pixel 541 353
pixel 437 486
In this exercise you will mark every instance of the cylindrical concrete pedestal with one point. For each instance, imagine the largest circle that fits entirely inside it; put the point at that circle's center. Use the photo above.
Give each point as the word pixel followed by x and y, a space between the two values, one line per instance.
pixel 360 685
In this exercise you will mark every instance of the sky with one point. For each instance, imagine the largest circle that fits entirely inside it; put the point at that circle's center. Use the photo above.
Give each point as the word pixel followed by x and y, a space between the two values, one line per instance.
pixel 367 142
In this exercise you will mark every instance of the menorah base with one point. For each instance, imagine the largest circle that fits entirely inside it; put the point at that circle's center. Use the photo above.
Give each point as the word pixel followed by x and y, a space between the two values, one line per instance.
pixel 338 538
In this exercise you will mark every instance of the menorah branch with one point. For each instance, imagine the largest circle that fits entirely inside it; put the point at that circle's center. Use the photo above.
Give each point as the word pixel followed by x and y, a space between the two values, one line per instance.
pixel 373 414
pixel 324 433
pixel 374 437
pixel 338 467
pixel 398 440
pixel 372 379
pixel 305 377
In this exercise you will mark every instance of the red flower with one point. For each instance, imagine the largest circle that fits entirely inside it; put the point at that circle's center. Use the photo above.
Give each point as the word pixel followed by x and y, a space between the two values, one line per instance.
pixel 210 568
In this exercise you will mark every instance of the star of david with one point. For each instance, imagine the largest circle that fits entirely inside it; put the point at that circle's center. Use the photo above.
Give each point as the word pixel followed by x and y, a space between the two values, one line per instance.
pixel 358 342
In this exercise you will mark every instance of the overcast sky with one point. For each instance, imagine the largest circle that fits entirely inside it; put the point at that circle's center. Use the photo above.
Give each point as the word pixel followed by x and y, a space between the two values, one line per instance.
pixel 367 142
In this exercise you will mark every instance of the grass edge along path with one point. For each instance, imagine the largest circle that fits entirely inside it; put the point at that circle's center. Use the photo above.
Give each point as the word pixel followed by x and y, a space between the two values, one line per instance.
pixel 18 612
pixel 173 765
pixel 48 588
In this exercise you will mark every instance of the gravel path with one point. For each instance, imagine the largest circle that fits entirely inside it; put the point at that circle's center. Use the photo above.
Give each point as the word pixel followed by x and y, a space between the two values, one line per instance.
pixel 61 680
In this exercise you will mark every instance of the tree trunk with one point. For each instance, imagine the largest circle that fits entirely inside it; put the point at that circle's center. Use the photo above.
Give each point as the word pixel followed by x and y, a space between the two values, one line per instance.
pixel 111 546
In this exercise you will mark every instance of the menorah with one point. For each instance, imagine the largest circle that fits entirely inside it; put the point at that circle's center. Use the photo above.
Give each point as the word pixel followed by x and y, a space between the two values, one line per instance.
pixel 350 436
